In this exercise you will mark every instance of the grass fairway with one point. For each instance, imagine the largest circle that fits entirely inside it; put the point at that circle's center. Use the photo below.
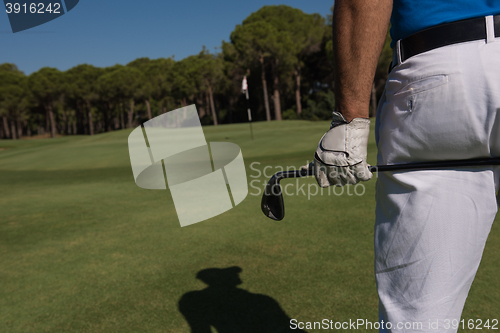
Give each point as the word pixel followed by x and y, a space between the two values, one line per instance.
pixel 83 249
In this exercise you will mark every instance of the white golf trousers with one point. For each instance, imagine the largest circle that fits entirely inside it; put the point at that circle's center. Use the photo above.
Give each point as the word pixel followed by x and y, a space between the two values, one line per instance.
pixel 431 226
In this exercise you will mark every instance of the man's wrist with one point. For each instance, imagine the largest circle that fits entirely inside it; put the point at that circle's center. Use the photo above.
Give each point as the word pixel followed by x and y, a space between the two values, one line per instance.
pixel 352 110
pixel 348 116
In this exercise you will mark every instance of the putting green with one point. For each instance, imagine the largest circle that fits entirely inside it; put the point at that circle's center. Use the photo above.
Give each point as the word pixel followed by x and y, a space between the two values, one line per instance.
pixel 83 249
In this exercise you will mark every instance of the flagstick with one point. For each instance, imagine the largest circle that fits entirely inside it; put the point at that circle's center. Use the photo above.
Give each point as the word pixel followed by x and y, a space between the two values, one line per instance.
pixel 245 89
pixel 249 114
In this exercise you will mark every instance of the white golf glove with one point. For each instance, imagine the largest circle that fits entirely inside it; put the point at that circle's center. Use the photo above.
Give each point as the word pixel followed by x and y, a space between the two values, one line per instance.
pixel 340 158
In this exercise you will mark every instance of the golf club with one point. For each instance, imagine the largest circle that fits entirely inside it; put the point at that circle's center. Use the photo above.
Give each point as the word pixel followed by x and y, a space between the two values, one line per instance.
pixel 272 204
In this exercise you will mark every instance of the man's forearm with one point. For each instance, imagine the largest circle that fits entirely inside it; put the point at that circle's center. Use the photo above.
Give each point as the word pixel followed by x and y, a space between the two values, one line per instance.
pixel 360 27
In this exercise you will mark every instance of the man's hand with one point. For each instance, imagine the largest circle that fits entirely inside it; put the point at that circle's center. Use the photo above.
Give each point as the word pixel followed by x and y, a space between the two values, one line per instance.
pixel 340 158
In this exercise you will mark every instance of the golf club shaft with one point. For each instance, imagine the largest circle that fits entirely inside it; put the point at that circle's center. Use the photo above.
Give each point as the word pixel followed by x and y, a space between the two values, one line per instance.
pixel 436 164
pixel 272 204
pixel 405 166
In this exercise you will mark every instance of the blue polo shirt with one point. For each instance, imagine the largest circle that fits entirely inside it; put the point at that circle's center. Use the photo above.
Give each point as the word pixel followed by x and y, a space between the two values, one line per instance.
pixel 411 16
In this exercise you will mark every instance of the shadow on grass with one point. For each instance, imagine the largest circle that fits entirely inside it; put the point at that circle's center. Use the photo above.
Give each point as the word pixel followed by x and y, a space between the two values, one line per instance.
pixel 230 309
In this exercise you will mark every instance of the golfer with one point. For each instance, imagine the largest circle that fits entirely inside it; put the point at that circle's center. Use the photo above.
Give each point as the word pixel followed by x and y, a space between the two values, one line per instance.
pixel 441 102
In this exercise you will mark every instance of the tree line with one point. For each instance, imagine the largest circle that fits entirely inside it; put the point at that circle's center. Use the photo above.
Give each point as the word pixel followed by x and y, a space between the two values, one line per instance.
pixel 285 54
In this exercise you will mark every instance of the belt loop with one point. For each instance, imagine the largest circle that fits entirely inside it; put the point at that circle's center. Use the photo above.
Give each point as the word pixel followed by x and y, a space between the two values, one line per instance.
pixel 490 29
pixel 396 55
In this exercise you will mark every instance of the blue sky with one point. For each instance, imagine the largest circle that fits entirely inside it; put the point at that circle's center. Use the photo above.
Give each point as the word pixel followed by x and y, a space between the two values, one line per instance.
pixel 104 33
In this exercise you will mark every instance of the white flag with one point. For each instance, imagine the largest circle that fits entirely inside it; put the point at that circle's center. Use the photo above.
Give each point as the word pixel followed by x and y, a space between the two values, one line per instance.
pixel 244 85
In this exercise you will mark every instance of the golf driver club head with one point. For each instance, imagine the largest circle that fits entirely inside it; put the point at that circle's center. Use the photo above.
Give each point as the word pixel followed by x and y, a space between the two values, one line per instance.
pixel 272 204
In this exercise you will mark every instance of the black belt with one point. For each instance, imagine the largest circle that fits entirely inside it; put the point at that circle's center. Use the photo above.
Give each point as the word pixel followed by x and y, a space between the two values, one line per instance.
pixel 443 35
